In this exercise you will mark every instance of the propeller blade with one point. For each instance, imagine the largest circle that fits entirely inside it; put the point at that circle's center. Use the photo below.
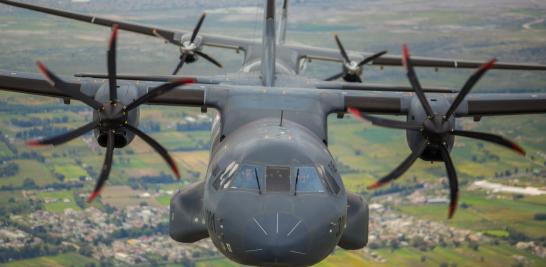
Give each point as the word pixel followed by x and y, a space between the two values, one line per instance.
pixel 157 147
pixel 402 168
pixel 106 166
pixel 56 82
pixel 112 63
pixel 371 58
pixel 209 58
pixel 453 182
pixel 335 77
pixel 385 122
pixel 468 86
pixel 180 64
pixel 414 81
pixel 197 27
pixel 496 139
pixel 162 89
pixel 342 49
pixel 63 138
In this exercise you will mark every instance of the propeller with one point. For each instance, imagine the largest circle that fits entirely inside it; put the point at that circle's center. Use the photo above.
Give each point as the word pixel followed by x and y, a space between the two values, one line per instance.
pixel 436 129
pixel 351 69
pixel 189 49
pixel 112 115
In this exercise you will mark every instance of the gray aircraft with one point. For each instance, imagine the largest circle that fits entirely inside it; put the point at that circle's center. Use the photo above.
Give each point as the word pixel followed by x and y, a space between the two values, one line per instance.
pixel 272 195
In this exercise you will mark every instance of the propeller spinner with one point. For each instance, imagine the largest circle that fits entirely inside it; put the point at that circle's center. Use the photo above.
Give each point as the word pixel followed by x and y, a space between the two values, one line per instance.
pixel 351 69
pixel 436 130
pixel 189 49
pixel 113 115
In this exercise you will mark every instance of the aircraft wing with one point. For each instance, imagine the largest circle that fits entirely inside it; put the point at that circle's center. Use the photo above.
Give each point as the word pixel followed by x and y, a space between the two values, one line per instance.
pixel 32 83
pixel 325 54
pixel 475 105
pixel 174 35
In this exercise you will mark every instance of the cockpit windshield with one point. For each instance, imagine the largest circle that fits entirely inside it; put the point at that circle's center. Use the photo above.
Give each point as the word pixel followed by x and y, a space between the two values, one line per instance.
pixel 303 179
pixel 307 180
pixel 248 177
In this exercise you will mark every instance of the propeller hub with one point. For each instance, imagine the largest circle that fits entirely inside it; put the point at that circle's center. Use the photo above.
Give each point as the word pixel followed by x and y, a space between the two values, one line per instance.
pixel 436 130
pixel 112 116
pixel 188 47
pixel 352 68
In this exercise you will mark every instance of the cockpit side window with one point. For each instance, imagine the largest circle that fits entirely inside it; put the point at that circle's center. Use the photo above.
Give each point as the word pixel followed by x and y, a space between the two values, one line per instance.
pixel 307 180
pixel 248 177
pixel 224 177
pixel 330 180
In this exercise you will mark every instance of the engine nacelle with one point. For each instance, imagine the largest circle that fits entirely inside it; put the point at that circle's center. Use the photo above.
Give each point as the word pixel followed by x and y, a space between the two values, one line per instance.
pixel 355 235
pixel 186 221
pixel 418 115
pixel 126 94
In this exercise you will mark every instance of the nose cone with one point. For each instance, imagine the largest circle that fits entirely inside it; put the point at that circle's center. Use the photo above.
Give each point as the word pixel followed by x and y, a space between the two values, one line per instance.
pixel 277 239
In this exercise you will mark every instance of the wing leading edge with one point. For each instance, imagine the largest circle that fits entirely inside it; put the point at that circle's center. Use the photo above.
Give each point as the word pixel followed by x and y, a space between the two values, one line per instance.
pixel 207 39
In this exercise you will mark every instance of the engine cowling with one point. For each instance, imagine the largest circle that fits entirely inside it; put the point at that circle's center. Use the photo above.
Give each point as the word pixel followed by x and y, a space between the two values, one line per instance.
pixel 418 115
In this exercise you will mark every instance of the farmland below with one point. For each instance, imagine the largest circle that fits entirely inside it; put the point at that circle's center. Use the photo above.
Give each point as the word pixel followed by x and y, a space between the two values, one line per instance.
pixel 45 220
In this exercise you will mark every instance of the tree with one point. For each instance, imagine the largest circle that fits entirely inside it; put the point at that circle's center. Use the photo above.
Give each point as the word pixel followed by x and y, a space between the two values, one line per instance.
pixel 28 183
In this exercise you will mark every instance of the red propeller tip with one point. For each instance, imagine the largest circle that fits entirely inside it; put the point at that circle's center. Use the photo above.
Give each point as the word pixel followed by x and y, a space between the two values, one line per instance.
pixel 186 81
pixel 44 71
pixel 93 196
pixel 34 143
pixel 452 208
pixel 114 35
pixel 355 112
pixel 406 54
pixel 488 65
pixel 174 168
pixel 519 149
pixel 375 185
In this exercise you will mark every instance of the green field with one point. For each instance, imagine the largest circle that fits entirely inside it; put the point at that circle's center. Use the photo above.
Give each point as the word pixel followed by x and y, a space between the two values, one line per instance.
pixel 68 259
pixel 487 215
pixel 61 200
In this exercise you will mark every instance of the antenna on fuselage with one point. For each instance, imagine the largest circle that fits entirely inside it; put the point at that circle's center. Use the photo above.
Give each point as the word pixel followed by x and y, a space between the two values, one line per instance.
pixel 268 45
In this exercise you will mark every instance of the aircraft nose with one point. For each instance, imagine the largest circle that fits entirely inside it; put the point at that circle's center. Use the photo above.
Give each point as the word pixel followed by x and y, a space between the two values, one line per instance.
pixel 276 238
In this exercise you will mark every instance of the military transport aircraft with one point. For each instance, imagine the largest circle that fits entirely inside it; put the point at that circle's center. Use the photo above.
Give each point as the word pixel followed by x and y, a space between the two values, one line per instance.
pixel 272 193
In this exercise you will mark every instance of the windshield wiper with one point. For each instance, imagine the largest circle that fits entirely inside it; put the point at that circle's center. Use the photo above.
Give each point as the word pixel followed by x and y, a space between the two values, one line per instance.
pixel 257 181
pixel 296 185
